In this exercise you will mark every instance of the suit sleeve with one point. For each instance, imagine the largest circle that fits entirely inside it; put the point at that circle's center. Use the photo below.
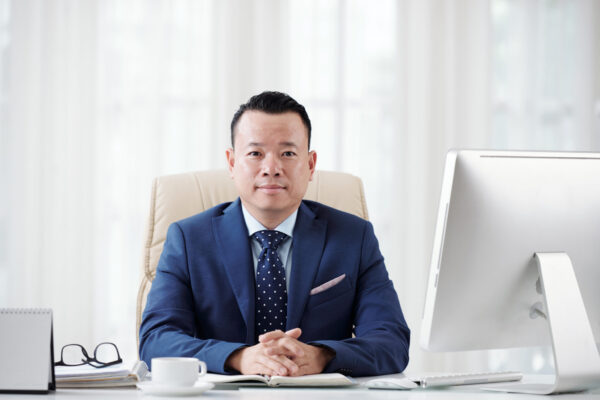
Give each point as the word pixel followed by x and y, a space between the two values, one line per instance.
pixel 168 323
pixel 382 337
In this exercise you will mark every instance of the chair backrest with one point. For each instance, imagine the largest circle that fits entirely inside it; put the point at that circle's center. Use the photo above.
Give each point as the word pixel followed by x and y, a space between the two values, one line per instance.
pixel 175 197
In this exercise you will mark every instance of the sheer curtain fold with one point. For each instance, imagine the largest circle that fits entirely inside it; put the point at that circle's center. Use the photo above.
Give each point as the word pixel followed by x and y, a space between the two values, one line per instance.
pixel 445 92
pixel 50 119
pixel 98 97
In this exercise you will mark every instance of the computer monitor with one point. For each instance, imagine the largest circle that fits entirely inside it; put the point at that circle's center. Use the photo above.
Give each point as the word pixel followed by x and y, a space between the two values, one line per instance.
pixel 516 260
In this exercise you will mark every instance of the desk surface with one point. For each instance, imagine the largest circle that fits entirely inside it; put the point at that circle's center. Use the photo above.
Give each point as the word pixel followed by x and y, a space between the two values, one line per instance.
pixel 463 392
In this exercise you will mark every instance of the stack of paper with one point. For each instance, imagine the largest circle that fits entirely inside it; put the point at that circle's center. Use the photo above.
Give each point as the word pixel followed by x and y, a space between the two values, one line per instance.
pixel 86 376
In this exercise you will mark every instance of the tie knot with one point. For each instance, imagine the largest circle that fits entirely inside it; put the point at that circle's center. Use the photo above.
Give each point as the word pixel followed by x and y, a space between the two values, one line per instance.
pixel 270 239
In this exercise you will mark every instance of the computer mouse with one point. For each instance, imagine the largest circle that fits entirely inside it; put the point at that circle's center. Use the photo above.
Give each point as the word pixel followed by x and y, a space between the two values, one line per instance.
pixel 392 384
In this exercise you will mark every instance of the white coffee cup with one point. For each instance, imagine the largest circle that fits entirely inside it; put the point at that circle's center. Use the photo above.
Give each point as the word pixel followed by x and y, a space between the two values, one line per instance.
pixel 177 371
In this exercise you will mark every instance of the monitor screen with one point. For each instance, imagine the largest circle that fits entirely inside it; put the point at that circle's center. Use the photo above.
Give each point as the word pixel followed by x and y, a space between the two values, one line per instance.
pixel 516 261
pixel 497 209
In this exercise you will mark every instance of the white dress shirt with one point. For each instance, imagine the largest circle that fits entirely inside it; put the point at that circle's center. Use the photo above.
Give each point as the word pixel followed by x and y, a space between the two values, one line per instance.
pixel 285 248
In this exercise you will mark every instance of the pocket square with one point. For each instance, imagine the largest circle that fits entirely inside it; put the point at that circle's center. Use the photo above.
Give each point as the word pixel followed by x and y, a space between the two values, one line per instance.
pixel 327 285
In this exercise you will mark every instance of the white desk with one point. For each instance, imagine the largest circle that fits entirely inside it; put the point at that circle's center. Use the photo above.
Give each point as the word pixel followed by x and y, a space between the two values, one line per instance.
pixel 456 393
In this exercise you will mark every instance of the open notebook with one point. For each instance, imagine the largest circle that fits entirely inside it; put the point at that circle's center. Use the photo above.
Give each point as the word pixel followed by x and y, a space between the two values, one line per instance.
pixel 317 380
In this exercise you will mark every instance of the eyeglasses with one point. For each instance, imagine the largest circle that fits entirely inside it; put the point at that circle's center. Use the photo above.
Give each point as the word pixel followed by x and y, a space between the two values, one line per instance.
pixel 105 354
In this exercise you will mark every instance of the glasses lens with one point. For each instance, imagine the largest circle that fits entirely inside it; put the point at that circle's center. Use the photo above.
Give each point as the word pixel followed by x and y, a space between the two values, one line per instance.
pixel 73 354
pixel 106 353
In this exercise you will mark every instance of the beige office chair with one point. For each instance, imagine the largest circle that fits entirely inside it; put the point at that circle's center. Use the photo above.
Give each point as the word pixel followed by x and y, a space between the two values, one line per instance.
pixel 175 197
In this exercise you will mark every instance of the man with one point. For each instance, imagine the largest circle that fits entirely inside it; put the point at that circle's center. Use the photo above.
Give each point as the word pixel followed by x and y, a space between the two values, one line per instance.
pixel 271 284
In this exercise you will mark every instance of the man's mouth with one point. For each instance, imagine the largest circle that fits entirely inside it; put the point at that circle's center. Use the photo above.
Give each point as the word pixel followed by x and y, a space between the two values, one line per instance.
pixel 271 188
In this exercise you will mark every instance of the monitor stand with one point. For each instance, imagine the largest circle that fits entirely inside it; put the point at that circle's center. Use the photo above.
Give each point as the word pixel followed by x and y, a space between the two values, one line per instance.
pixel 576 359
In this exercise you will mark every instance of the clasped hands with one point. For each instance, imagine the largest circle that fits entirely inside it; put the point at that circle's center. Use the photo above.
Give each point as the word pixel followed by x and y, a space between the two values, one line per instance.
pixel 280 353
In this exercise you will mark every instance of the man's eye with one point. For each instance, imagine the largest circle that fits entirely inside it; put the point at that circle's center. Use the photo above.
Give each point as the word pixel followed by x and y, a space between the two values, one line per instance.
pixel 288 154
pixel 254 154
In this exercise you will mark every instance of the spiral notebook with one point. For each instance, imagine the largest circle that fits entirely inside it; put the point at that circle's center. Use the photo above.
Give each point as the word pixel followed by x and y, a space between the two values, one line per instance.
pixel 26 350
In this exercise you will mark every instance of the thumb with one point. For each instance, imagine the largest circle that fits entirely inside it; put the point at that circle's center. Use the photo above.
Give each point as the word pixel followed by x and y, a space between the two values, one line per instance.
pixel 295 333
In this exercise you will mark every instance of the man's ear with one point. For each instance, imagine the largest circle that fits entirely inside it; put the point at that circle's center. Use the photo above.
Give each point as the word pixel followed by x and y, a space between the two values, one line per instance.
pixel 312 162
pixel 229 153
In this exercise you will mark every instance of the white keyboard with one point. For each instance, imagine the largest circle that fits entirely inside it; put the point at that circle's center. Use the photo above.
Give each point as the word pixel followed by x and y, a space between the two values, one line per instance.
pixel 466 378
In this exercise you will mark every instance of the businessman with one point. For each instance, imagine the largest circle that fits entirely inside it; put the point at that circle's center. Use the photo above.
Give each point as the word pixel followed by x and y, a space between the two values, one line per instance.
pixel 270 283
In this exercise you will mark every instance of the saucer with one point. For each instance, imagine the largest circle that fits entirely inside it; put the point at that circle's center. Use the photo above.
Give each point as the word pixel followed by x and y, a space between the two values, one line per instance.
pixel 153 389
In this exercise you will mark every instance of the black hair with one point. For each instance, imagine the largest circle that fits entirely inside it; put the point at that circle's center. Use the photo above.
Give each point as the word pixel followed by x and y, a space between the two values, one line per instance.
pixel 272 103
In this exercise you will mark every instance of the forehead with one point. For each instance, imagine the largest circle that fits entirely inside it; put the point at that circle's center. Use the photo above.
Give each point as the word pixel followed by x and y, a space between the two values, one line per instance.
pixel 259 127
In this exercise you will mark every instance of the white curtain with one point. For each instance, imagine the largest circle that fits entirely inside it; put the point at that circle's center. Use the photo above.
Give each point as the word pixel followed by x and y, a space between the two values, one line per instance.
pixel 97 97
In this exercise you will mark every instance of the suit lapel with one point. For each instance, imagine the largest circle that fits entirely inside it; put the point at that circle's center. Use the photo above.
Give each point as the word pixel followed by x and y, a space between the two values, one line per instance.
pixel 233 244
pixel 308 242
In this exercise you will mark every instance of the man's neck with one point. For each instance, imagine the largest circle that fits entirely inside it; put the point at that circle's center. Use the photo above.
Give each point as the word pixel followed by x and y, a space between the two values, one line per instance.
pixel 268 220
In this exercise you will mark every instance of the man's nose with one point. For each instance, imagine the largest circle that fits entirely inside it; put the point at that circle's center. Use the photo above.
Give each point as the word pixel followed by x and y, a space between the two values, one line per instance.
pixel 271 165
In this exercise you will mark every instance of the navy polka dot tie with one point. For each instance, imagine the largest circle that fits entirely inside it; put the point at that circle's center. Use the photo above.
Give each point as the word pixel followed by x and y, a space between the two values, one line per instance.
pixel 271 292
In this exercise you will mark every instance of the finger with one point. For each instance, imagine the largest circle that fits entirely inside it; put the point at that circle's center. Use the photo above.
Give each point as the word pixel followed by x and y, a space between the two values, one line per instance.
pixel 274 364
pixel 306 369
pixel 291 367
pixel 273 335
pixel 285 346
pixel 278 334
pixel 276 348
pixel 260 369
pixel 293 346
pixel 295 333
pixel 289 364
pixel 283 343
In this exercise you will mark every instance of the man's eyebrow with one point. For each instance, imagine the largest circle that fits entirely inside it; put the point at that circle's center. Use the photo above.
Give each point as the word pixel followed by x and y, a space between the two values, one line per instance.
pixel 282 144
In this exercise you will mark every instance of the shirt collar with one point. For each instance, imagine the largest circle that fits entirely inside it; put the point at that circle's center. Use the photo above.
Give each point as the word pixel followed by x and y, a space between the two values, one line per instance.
pixel 287 226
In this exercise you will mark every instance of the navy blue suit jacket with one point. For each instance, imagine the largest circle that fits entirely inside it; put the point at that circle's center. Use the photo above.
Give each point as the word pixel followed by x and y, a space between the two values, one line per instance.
pixel 202 300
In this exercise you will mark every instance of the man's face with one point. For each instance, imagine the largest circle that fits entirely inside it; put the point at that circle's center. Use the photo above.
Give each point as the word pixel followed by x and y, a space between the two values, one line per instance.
pixel 271 165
